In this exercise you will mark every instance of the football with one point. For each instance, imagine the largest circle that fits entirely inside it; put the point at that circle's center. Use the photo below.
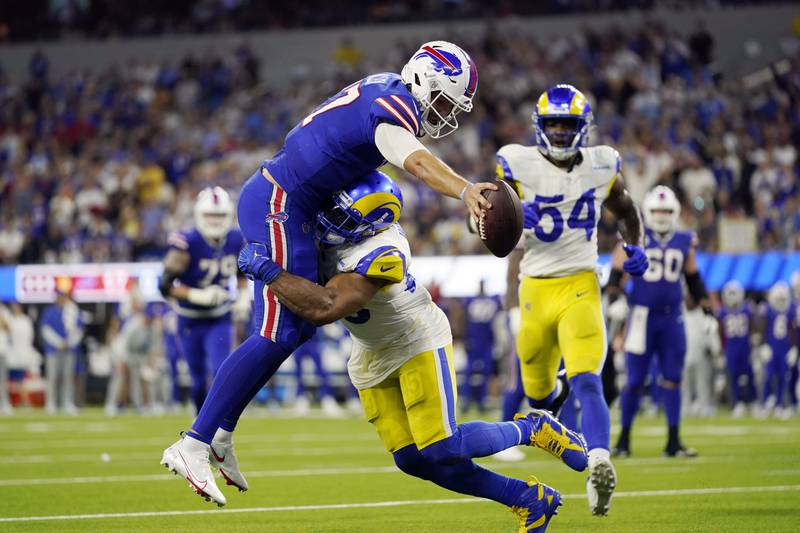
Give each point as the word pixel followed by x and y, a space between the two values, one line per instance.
pixel 501 228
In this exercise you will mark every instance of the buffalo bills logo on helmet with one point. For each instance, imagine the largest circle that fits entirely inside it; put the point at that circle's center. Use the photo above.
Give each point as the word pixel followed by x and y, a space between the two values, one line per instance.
pixel 443 61
pixel 280 217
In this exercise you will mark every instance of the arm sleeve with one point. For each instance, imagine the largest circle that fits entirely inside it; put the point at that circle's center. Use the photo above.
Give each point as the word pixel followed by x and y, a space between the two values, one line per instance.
pixel 396 143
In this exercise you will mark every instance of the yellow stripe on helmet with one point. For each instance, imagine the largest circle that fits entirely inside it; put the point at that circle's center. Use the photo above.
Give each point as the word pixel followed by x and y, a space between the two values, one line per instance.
pixel 543 104
pixel 371 202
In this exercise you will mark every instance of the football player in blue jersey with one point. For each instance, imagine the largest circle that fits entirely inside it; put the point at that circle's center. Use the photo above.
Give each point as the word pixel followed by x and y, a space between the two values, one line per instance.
pixel 402 359
pixel 374 120
pixel 480 314
pixel 198 269
pixel 778 324
pixel 655 325
pixel 736 320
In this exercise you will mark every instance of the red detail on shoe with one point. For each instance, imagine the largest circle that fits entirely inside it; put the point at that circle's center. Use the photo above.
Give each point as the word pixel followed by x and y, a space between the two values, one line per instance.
pixel 229 481
pixel 191 476
pixel 217 457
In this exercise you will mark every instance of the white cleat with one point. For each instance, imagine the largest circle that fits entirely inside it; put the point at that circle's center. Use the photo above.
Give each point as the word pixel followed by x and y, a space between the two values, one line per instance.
pixel 739 410
pixel 189 458
pixel 224 459
pixel 600 485
pixel 509 455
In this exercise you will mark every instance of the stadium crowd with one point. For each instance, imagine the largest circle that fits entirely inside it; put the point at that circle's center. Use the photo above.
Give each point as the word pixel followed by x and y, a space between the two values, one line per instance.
pixel 100 166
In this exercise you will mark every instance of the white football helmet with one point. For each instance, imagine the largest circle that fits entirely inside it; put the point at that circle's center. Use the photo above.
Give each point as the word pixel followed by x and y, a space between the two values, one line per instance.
pixel 213 213
pixel 442 78
pixel 732 294
pixel 661 210
pixel 795 282
pixel 779 296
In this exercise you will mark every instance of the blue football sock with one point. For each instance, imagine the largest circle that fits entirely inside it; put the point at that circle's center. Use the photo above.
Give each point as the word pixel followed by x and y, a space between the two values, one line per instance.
pixel 242 374
pixel 569 413
pixel 464 477
pixel 478 439
pixel 545 402
pixel 595 420
pixel 629 400
pixel 511 401
pixel 672 405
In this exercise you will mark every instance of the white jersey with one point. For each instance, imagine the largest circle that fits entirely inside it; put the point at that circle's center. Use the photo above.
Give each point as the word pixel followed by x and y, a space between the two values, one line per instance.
pixel 400 321
pixel 565 239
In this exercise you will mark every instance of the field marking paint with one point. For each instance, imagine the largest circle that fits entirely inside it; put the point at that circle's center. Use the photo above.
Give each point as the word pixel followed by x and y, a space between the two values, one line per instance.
pixel 654 462
pixel 397 503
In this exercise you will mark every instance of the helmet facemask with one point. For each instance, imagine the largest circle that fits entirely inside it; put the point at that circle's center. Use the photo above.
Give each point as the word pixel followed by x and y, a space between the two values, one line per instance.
pixel 562 136
pixel 339 224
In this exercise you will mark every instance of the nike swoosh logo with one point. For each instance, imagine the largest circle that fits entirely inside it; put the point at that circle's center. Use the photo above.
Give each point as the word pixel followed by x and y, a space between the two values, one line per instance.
pixel 579 294
pixel 192 477
pixel 385 269
pixel 217 457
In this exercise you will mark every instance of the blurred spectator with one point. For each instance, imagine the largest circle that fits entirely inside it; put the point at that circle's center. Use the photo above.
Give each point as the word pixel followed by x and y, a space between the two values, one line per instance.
pixel 102 165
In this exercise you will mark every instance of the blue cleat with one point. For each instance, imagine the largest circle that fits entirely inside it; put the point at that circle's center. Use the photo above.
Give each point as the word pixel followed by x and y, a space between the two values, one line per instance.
pixel 538 504
pixel 552 436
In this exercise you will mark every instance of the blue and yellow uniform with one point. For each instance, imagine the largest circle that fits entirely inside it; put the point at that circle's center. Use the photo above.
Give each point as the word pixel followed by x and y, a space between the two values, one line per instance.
pixel 402 358
pixel 561 311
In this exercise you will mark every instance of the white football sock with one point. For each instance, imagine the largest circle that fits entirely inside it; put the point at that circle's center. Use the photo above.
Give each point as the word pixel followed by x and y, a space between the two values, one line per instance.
pixel 223 436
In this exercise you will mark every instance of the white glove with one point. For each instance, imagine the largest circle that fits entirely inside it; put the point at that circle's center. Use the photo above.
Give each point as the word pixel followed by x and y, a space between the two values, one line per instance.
pixel 791 357
pixel 211 296
pixel 242 306
pixel 765 353
pixel 618 311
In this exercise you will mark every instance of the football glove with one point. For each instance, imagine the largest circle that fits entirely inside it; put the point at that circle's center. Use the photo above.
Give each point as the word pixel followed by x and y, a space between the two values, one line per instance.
pixel 637 262
pixel 530 215
pixel 256 264
pixel 618 310
pixel 210 296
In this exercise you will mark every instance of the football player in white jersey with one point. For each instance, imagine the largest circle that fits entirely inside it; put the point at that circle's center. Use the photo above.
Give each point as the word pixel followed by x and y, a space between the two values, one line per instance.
pixel 402 360
pixel 563 184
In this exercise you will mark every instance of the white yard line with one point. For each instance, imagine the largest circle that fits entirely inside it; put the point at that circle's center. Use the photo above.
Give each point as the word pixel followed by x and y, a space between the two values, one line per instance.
pixel 357 470
pixel 396 503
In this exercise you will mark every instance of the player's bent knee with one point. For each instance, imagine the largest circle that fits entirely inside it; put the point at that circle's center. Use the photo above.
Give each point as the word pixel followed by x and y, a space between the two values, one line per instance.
pixel 410 461
pixel 586 383
pixel 446 451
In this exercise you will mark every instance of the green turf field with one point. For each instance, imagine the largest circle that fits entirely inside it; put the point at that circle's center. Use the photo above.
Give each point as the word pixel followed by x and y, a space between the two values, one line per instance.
pixel 333 475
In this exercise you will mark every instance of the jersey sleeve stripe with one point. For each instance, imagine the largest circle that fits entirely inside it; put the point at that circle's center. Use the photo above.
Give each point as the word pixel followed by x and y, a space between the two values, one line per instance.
pixel 408 111
pixel 388 107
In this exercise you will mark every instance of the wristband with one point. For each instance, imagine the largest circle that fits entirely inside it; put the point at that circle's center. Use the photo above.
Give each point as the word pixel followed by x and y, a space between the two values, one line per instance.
pixel 464 190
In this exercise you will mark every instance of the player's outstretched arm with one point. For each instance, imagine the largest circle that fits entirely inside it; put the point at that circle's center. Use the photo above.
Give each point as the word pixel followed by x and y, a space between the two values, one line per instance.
pixel 342 296
pixel 621 205
pixel 402 149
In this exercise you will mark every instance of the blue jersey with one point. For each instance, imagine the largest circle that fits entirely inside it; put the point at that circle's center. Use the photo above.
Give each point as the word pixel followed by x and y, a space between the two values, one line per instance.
pixel 736 328
pixel 209 264
pixel 481 312
pixel 779 328
pixel 660 287
pixel 335 144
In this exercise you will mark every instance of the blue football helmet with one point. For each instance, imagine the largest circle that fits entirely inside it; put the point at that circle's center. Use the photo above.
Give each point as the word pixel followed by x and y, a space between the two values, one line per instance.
pixel 369 205
pixel 568 106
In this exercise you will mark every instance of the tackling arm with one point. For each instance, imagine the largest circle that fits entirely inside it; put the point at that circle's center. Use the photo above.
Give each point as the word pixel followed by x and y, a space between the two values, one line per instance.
pixel 621 205
pixel 342 296
pixel 616 279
